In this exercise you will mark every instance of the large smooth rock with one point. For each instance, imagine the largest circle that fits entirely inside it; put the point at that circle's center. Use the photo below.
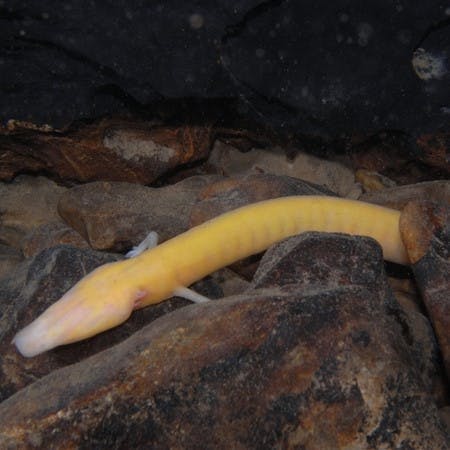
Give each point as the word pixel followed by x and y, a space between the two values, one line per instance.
pixel 114 215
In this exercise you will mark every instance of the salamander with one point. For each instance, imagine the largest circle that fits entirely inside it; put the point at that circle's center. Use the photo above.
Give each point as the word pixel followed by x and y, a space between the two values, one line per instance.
pixel 107 296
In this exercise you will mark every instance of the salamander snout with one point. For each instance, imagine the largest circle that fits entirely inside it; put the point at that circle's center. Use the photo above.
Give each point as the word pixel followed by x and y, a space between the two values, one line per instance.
pixel 97 303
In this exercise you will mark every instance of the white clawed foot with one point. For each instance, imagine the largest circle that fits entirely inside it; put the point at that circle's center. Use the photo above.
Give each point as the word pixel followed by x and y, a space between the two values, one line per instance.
pixel 191 295
pixel 149 242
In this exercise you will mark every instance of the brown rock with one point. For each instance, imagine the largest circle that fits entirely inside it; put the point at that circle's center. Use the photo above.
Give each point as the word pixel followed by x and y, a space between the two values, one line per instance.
pixel 116 216
pixel 25 204
pixel 426 354
pixel 380 152
pixel 396 156
pixel 50 235
pixel 229 282
pixel 397 197
pixel 230 193
pixel 330 255
pixel 444 413
pixel 322 261
pixel 407 293
pixel 284 366
pixel 422 339
pixel 10 258
pixel 109 149
pixel 425 229
pixel 435 150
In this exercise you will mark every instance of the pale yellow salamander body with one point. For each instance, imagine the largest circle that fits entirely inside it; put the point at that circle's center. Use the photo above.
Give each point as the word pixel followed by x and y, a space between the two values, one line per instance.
pixel 106 297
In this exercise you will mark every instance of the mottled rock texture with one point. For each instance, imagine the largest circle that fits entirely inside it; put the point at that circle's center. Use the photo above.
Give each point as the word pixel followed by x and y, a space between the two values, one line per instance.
pixel 50 235
pixel 115 216
pixel 109 149
pixel 25 204
pixel 425 229
pixel 285 365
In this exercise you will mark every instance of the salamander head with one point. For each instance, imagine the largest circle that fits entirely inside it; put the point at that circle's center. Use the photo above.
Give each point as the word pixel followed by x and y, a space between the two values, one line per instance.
pixel 101 300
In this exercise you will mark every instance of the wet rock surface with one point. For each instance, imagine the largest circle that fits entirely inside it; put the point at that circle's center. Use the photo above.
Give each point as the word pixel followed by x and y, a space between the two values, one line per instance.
pixel 10 258
pixel 321 263
pixel 286 364
pixel 425 228
pixel 108 149
pixel 119 215
pixel 27 203
pixel 411 160
pixel 434 150
pixel 50 235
